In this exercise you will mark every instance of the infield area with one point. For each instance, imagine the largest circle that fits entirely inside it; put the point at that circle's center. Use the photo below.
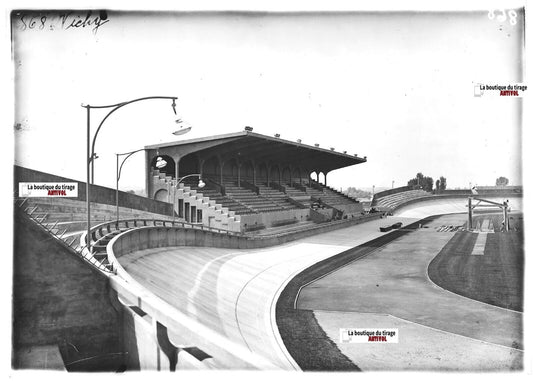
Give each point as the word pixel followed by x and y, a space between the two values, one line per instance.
pixel 453 318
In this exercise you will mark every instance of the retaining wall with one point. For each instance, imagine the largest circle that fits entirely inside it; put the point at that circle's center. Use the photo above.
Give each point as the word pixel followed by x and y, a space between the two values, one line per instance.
pixel 99 194
pixel 59 300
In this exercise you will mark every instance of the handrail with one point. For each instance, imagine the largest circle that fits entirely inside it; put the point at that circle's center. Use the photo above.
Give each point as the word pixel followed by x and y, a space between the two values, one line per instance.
pixel 217 186
pixel 250 186
pixel 80 251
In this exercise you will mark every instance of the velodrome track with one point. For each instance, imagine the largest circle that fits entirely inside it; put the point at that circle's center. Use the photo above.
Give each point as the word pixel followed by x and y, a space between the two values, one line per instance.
pixel 234 292
pixel 448 206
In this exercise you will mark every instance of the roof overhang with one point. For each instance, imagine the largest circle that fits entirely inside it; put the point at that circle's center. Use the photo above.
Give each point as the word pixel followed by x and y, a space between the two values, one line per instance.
pixel 248 145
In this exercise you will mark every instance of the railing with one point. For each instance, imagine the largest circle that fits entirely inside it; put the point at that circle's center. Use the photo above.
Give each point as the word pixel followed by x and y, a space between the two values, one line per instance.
pixel 277 186
pixel 317 186
pixel 336 211
pixel 299 186
pixel 250 186
pixel 217 186
pixel 97 232
pixel 79 250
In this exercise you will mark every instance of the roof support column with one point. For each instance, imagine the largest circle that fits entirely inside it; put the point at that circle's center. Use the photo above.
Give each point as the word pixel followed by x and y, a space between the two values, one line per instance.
pixel 290 175
pixel 268 174
pixel 177 159
pixel 325 178
pixel 239 164
pixel 221 163
pixel 201 162
pixel 148 171
pixel 254 173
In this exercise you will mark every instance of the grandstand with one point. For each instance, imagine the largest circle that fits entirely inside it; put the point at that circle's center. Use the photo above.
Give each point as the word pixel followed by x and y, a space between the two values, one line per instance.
pixel 396 198
pixel 391 199
pixel 252 181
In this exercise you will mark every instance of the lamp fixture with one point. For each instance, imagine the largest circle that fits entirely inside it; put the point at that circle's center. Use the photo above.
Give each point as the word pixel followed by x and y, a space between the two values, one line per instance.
pixel 174 105
pixel 184 127
pixel 160 162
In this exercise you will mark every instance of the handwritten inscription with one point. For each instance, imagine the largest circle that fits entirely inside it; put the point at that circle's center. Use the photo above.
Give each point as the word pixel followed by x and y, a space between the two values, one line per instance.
pixel 65 20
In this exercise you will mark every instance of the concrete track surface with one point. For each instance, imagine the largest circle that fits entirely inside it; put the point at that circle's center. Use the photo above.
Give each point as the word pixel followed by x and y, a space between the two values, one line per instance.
pixel 235 291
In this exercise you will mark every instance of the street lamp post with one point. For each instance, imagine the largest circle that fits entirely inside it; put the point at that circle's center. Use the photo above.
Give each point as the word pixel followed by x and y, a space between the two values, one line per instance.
pixel 90 148
pixel 201 184
pixel 119 171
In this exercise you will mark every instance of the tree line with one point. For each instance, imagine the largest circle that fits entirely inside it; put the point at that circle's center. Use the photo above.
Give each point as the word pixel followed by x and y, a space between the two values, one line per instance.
pixel 426 182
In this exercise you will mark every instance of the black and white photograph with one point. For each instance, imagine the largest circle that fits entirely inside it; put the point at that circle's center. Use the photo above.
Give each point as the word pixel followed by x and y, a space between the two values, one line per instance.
pixel 322 187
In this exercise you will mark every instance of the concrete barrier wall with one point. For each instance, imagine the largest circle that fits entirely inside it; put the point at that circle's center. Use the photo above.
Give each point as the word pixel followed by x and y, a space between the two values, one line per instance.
pixel 99 194
pixel 268 219
pixel 158 237
pixel 58 299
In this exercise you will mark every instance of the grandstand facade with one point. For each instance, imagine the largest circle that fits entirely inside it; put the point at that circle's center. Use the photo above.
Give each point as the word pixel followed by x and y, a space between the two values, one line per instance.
pixel 253 181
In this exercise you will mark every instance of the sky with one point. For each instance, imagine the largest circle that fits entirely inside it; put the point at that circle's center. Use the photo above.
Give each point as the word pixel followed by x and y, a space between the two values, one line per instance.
pixel 397 87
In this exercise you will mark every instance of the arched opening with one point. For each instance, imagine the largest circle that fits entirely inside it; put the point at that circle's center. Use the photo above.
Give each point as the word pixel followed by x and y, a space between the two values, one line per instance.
pixel 274 174
pixel 297 175
pixel 321 179
pixel 168 168
pixel 286 175
pixel 230 171
pixel 161 195
pixel 247 172
pixel 262 173
pixel 189 164
pixel 314 176
pixel 212 168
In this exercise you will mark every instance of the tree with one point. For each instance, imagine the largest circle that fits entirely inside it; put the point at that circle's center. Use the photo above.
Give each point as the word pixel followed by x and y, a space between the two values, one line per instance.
pixel 442 183
pixel 421 181
pixel 502 181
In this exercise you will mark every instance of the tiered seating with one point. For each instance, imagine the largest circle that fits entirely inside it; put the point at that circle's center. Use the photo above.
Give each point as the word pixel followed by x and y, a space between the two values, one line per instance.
pixel 294 192
pixel 250 199
pixel 276 196
pixel 67 218
pixel 394 200
pixel 225 201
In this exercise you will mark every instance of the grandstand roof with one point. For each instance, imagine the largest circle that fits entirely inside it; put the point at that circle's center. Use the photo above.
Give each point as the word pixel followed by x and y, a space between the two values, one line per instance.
pixel 247 144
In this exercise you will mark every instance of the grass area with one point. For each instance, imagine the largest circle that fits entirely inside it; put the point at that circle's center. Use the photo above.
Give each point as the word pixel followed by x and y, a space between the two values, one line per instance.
pixel 305 340
pixel 496 277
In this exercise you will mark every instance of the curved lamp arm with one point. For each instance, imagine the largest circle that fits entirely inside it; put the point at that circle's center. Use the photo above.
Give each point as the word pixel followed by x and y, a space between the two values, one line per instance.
pixel 118 106
pixel 188 176
pixel 124 160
